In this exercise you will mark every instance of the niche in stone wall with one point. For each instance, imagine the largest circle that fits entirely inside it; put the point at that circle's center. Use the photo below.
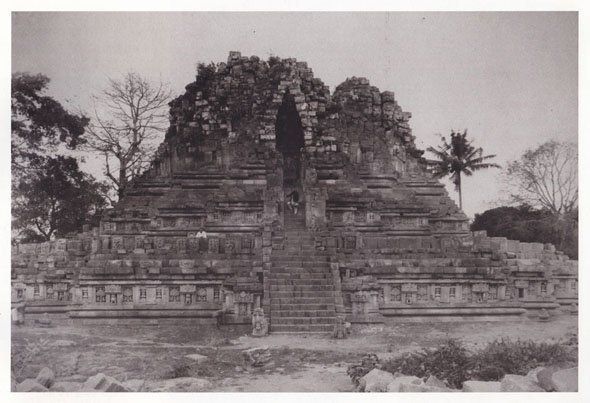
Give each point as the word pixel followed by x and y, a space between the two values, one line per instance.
pixel 289 130
pixel 289 139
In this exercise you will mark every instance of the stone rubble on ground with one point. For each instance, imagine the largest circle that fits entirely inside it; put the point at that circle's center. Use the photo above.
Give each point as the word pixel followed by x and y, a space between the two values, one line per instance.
pixel 375 381
pixel 423 388
pixel 46 377
pixel 481 386
pixel 30 385
pixel 540 379
pixel 64 386
pixel 519 383
pixel 402 384
pixel 532 374
pixel 134 385
pixel 435 382
pixel 565 380
pixel 103 383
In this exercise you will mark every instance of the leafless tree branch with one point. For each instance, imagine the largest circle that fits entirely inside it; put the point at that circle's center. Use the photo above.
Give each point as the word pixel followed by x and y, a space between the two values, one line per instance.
pixel 130 116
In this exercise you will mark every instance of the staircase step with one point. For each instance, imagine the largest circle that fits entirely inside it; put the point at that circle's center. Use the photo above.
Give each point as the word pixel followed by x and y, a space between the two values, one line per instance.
pixel 297 271
pixel 302 313
pixel 292 307
pixel 319 328
pixel 308 279
pixel 292 260
pixel 302 278
pixel 299 255
pixel 304 284
pixel 302 290
pixel 298 287
pixel 290 320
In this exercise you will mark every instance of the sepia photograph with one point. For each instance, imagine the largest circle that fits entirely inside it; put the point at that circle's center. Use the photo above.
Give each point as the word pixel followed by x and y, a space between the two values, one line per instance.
pixel 293 201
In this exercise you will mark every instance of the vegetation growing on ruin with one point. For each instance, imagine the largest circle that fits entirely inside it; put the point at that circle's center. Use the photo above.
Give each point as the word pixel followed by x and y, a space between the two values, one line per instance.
pixel 455 364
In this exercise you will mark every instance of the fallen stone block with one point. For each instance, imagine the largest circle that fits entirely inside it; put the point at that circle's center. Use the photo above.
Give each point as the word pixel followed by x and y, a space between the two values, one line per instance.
pixel 46 377
pixel 566 380
pixel 410 387
pixel 435 382
pixel 30 385
pixel 64 386
pixel 103 383
pixel 519 383
pixel 532 374
pixel 376 381
pixel 481 386
pixel 396 384
pixel 545 379
pixel 135 385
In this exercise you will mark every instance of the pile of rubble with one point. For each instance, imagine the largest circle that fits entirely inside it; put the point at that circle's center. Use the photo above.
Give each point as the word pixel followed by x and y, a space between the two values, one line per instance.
pixel 46 382
pixel 541 379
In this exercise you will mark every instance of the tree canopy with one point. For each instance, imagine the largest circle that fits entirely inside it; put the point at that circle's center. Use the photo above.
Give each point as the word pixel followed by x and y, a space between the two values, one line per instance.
pixel 56 200
pixel 458 157
pixel 51 196
pixel 39 123
pixel 545 177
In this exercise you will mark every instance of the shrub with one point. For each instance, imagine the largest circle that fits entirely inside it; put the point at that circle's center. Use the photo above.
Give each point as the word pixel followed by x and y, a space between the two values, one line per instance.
pixel 516 357
pixel 450 362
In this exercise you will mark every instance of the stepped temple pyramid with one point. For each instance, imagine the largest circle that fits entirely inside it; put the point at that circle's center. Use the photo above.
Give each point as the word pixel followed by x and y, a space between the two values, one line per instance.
pixel 206 235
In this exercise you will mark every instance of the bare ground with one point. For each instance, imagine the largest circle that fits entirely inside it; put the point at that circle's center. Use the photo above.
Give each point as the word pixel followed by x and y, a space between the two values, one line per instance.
pixel 299 363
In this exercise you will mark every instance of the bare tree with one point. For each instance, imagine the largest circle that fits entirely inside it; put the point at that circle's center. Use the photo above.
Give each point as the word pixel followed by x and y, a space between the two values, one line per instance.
pixel 130 116
pixel 546 177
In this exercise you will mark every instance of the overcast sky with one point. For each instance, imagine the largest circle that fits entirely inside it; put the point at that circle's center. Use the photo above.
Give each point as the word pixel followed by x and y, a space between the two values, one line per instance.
pixel 511 79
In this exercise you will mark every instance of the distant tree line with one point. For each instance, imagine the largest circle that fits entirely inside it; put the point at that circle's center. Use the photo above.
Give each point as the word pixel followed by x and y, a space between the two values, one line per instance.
pixel 527 224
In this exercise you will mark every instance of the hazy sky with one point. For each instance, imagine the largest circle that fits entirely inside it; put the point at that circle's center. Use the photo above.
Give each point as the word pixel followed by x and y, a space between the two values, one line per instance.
pixel 511 79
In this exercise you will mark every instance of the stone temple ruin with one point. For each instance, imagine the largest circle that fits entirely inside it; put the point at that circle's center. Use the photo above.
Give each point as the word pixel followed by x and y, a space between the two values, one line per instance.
pixel 376 237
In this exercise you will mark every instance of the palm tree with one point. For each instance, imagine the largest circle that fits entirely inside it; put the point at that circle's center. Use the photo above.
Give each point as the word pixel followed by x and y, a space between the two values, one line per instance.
pixel 458 157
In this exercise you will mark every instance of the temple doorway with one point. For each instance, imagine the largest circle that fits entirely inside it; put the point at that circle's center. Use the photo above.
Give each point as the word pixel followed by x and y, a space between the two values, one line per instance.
pixel 290 140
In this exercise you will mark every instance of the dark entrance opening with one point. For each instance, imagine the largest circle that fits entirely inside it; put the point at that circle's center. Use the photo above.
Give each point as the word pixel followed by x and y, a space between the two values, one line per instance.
pixel 290 139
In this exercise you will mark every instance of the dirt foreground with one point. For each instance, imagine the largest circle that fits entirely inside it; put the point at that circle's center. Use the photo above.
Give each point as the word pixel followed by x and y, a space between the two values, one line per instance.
pixel 298 363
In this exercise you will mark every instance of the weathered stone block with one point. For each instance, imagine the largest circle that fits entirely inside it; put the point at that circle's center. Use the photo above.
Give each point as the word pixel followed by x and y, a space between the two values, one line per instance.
pixel 30 385
pixel 103 383
pixel 376 381
pixel 481 386
pixel 519 383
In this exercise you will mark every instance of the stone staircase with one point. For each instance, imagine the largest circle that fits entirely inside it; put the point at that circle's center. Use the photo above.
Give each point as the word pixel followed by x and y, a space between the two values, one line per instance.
pixel 301 283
